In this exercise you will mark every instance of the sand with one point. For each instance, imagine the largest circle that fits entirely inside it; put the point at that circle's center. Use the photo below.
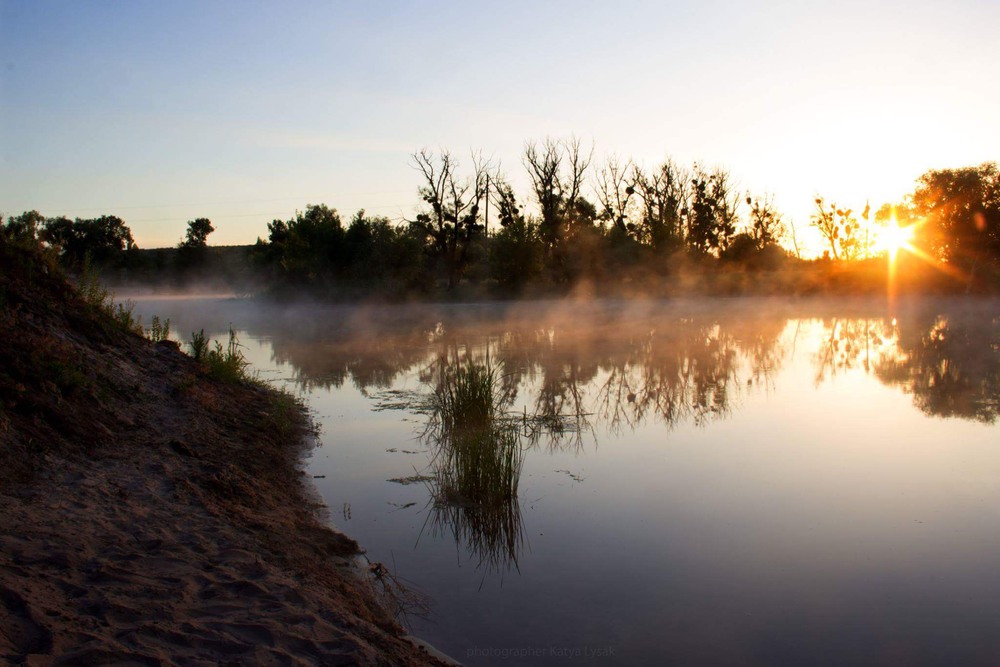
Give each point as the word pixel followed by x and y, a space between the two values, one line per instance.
pixel 152 515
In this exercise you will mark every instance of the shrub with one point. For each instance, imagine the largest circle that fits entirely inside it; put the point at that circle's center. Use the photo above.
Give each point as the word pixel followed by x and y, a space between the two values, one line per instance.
pixel 227 364
pixel 160 330
pixel 199 346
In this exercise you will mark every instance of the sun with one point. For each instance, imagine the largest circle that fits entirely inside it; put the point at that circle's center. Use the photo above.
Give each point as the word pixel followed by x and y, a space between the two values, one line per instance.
pixel 892 238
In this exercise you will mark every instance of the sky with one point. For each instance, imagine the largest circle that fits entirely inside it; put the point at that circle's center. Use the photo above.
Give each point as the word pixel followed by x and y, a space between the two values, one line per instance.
pixel 244 112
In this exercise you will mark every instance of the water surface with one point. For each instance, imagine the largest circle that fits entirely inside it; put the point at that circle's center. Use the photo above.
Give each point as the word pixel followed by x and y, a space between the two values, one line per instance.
pixel 730 481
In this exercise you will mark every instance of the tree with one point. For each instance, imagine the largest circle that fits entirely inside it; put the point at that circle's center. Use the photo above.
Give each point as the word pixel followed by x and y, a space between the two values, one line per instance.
pixel 381 255
pixel 663 197
pixel 197 233
pixel 712 211
pixel 516 252
pixel 451 225
pixel 557 170
pixel 614 192
pixel 103 240
pixel 841 230
pixel 766 227
pixel 961 213
pixel 192 251
pixel 503 198
pixel 24 227
pixel 307 249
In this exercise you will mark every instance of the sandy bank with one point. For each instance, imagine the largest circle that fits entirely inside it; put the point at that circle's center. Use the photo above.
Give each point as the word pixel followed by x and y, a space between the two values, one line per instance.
pixel 152 515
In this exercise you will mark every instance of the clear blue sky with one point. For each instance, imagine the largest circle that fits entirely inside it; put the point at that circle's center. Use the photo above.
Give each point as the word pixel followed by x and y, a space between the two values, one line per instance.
pixel 161 112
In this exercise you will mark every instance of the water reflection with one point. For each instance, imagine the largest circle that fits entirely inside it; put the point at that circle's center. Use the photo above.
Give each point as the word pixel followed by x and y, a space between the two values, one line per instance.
pixel 950 363
pixel 754 462
pixel 477 458
pixel 672 369
pixel 618 365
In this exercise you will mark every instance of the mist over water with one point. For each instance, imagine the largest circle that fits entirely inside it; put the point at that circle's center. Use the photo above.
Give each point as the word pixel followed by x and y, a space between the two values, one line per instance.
pixel 724 480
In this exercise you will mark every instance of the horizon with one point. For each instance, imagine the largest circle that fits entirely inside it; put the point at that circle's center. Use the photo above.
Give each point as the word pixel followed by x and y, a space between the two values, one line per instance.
pixel 163 114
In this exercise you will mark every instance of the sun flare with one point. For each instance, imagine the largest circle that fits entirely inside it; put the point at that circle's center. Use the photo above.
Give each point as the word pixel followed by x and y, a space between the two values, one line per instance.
pixel 893 237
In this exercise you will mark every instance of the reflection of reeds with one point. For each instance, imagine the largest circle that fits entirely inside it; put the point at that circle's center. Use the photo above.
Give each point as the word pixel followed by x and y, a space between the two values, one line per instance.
pixel 480 467
pixel 475 493
pixel 478 458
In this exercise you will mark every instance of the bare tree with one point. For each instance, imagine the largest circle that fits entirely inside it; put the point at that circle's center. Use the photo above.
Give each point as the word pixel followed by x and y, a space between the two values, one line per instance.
pixel 614 192
pixel 663 195
pixel 557 170
pixel 502 197
pixel 451 223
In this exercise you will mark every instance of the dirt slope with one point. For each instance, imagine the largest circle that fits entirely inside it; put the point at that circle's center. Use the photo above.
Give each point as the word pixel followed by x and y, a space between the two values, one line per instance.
pixel 152 515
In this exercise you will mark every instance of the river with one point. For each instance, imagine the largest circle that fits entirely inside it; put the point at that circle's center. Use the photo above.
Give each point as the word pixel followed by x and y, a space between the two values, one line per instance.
pixel 727 481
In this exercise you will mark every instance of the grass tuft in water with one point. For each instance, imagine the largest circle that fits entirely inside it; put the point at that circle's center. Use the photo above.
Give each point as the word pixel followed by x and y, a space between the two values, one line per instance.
pixel 469 398
pixel 477 464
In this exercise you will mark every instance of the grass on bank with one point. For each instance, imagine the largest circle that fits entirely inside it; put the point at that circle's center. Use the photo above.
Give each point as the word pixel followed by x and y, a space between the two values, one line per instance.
pixel 225 364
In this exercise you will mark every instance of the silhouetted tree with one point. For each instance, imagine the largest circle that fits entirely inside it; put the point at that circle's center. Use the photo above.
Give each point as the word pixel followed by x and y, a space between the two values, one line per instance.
pixel 517 253
pixel 766 227
pixel 23 228
pixel 451 225
pixel 712 211
pixel 960 214
pixel 197 233
pixel 663 196
pixel 614 192
pixel 381 255
pixel 557 170
pixel 191 252
pixel 841 230
pixel 103 240
pixel 307 249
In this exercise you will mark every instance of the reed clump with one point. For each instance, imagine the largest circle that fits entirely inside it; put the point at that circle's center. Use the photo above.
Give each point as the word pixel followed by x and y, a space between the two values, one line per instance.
pixel 477 463
pixel 469 398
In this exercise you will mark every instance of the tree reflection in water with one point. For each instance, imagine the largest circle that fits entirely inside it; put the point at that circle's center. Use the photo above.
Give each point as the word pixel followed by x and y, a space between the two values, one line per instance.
pixel 556 381
pixel 950 363
pixel 948 358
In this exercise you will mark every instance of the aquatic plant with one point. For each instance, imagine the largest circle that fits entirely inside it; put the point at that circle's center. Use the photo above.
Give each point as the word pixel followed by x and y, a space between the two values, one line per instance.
pixel 478 458
pixel 480 467
pixel 469 397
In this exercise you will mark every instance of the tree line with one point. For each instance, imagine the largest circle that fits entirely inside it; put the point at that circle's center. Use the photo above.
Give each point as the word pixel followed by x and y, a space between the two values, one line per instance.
pixel 578 220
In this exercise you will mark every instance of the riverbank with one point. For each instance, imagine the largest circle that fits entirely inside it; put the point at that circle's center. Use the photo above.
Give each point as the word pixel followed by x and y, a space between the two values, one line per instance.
pixel 152 514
